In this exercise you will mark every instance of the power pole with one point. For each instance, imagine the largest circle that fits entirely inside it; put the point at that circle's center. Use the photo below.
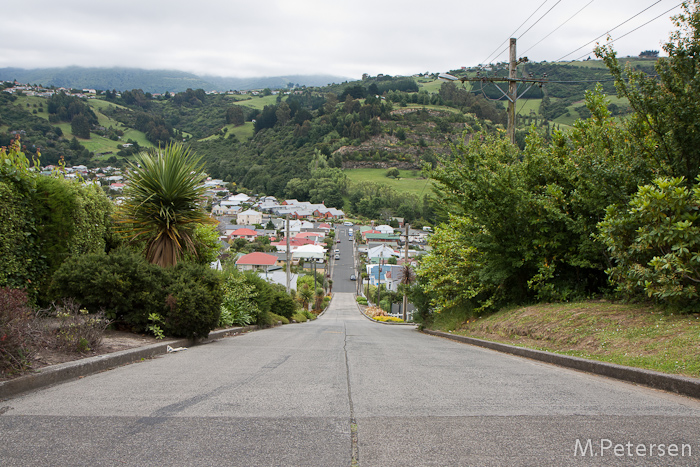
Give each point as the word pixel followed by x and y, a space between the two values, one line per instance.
pixel 512 80
pixel 288 265
pixel 405 265
pixel 512 91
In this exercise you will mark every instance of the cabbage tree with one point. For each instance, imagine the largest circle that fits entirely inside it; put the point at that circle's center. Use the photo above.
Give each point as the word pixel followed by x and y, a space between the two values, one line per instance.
pixel 164 203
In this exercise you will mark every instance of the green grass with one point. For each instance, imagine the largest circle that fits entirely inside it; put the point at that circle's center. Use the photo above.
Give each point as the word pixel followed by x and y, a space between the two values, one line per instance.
pixel 243 132
pixel 631 335
pixel 430 86
pixel 441 108
pixel 256 102
pixel 409 181
pixel 34 102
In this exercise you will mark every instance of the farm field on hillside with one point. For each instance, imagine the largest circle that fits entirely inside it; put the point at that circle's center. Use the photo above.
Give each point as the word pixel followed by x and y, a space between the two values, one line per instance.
pixel 410 181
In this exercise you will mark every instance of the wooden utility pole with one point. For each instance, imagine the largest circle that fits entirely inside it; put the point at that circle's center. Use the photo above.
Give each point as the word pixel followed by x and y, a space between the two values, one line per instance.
pixel 512 80
pixel 512 91
pixel 405 265
pixel 288 259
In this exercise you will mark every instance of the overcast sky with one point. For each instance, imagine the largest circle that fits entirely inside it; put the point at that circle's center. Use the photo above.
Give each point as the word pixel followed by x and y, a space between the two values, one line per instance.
pixel 337 37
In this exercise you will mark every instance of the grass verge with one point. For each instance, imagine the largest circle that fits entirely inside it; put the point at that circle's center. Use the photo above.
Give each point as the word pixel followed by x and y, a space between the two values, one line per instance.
pixel 630 335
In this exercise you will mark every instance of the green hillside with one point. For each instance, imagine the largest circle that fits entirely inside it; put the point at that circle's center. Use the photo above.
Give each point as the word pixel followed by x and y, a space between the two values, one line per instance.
pixel 262 142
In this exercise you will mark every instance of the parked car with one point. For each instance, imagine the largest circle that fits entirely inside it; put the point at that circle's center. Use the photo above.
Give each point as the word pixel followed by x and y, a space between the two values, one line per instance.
pixel 337 256
pixel 352 277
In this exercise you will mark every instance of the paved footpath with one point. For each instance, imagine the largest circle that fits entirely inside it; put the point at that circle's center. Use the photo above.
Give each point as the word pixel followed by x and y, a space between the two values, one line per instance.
pixel 344 391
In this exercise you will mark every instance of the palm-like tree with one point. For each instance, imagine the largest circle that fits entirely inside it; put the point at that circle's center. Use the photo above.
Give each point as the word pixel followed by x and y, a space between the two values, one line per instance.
pixel 408 276
pixel 163 202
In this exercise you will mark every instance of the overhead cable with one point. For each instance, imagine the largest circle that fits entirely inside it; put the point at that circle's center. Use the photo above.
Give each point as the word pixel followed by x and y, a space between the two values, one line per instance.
pixel 531 26
pixel 557 28
pixel 638 27
pixel 608 31
pixel 513 33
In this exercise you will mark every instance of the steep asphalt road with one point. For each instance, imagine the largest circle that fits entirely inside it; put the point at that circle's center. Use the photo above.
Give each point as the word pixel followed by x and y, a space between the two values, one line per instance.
pixel 317 394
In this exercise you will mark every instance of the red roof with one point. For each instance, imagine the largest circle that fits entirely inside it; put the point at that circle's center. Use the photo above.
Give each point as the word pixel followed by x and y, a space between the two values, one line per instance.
pixel 294 242
pixel 308 234
pixel 243 233
pixel 258 259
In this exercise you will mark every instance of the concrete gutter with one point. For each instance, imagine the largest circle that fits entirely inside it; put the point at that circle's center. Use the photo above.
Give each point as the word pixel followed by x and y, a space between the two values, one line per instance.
pixel 60 373
pixel 653 379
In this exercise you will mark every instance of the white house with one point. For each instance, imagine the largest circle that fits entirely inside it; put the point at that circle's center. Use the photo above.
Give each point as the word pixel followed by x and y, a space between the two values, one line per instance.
pixel 249 217
pixel 385 229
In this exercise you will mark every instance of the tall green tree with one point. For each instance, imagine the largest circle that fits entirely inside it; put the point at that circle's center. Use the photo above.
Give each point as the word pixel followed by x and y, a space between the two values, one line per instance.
pixel 163 203
pixel 667 106
pixel 80 126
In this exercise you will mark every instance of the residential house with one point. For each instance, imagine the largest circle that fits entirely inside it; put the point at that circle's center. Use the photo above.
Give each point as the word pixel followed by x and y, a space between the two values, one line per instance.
pixel 385 229
pixel 256 261
pixel 329 213
pixel 249 217
pixel 387 274
pixel 248 234
pixel 387 239
pixel 225 208
pixel 294 243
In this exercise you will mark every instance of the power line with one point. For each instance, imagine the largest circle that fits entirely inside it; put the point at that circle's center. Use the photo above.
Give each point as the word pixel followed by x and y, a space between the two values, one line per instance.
pixel 540 19
pixel 638 27
pixel 557 28
pixel 513 33
pixel 609 31
pixel 532 26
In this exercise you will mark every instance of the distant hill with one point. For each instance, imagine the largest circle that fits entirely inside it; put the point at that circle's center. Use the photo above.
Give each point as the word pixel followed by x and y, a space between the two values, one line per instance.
pixel 153 81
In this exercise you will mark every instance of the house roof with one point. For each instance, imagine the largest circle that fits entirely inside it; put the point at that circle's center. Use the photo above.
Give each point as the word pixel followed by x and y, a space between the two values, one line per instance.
pixel 294 242
pixel 309 234
pixel 310 251
pixel 243 233
pixel 257 259
pixel 248 212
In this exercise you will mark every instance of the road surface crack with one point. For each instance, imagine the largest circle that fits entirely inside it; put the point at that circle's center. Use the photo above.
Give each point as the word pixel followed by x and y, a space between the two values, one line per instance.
pixel 355 449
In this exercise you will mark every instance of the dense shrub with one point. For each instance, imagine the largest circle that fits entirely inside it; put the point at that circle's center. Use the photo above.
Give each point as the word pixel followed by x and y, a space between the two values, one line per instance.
pixel 264 293
pixel 19 253
pixel 276 319
pixel 129 289
pixel 73 219
pixel 654 243
pixel 20 257
pixel 193 300
pixel 299 317
pixel 15 331
pixel 237 306
pixel 282 303
pixel 122 283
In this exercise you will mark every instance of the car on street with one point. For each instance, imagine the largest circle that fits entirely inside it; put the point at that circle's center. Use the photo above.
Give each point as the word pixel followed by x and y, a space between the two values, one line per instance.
pixel 352 277
pixel 337 256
